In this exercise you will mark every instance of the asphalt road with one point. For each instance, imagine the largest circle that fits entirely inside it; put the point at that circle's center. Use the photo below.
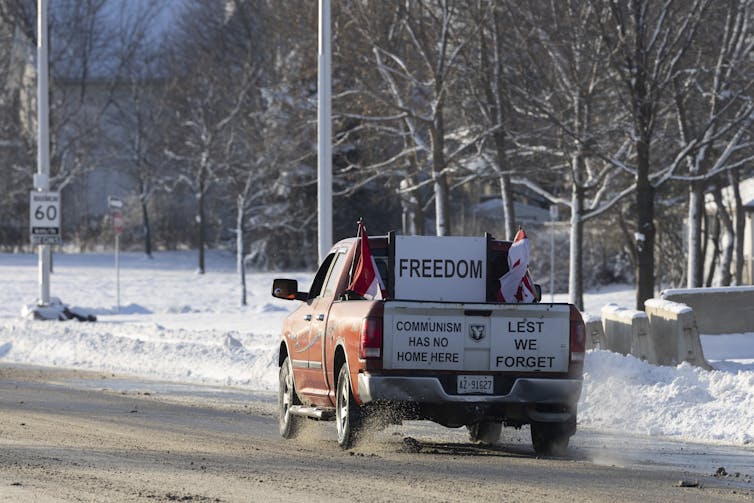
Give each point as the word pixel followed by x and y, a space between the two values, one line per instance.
pixel 74 436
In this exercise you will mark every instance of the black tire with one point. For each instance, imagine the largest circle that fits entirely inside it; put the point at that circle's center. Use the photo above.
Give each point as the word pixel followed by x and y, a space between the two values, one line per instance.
pixel 551 439
pixel 487 432
pixel 347 412
pixel 289 424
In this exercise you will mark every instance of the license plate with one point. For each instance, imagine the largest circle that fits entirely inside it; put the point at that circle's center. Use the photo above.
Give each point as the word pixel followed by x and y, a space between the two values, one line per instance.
pixel 475 384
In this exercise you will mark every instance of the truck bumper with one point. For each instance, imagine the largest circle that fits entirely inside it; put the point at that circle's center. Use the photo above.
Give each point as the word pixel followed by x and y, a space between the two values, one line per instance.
pixel 527 392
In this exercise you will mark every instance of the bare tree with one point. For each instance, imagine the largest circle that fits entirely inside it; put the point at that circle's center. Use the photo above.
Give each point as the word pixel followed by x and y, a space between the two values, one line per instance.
pixel 740 223
pixel 416 55
pixel 649 40
pixel 138 109
pixel 714 110
pixel 208 91
pixel 564 95
pixel 489 62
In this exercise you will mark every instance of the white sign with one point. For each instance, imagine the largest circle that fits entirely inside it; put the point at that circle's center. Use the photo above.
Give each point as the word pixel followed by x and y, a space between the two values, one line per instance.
pixel 447 268
pixel 44 218
pixel 114 203
pixel 530 345
pixel 421 342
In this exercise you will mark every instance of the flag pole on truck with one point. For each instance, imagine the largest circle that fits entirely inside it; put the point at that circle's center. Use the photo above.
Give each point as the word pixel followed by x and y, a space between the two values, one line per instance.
pixel 359 224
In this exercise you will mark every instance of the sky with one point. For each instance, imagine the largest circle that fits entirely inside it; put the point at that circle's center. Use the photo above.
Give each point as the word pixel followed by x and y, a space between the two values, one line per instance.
pixel 176 325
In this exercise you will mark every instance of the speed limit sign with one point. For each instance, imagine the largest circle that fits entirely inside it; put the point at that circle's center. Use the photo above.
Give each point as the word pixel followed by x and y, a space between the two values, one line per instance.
pixel 44 218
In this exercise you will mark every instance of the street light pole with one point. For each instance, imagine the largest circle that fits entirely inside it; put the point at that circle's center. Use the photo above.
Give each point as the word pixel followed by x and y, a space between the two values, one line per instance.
pixel 324 134
pixel 42 177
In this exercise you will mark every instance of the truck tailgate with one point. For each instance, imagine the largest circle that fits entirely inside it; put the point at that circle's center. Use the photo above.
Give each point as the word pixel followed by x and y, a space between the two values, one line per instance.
pixel 476 337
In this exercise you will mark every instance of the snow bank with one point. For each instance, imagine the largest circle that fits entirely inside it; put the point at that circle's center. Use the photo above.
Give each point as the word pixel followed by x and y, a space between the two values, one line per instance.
pixel 625 394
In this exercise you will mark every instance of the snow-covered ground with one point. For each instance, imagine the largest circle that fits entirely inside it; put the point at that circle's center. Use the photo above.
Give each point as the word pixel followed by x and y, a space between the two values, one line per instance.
pixel 177 325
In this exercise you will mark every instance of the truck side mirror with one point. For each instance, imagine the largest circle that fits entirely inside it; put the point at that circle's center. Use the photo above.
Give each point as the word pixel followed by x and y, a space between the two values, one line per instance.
pixel 287 289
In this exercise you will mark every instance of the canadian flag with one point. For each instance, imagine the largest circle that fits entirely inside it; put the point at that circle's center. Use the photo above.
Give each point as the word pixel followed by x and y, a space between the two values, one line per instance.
pixel 366 279
pixel 515 285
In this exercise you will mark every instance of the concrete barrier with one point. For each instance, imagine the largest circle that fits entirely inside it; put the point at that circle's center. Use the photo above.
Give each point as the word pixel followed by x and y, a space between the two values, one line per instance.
pixel 728 310
pixel 626 331
pixel 674 334
pixel 595 334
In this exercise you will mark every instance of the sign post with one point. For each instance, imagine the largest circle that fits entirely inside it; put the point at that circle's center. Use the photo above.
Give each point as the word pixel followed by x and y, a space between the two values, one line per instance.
pixel 115 205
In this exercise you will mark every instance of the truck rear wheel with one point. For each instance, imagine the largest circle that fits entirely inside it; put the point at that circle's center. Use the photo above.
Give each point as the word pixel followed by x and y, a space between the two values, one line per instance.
pixel 551 439
pixel 289 424
pixel 487 432
pixel 347 411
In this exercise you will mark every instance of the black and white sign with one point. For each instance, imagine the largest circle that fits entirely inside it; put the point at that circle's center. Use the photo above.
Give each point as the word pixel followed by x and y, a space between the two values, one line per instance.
pixel 447 268
pixel 530 345
pixel 44 218
pixel 421 342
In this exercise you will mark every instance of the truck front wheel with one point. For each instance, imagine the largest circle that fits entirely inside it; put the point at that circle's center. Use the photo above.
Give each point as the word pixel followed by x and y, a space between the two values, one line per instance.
pixel 551 439
pixel 347 411
pixel 289 424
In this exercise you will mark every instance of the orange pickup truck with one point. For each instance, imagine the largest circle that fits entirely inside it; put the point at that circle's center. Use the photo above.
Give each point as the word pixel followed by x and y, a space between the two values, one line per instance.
pixel 437 346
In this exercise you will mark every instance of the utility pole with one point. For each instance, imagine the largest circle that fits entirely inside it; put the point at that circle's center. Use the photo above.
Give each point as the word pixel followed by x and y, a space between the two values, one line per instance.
pixel 44 206
pixel 324 134
pixel 42 177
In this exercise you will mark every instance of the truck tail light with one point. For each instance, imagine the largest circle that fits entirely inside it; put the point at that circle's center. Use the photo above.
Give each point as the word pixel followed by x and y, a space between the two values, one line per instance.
pixel 370 342
pixel 578 336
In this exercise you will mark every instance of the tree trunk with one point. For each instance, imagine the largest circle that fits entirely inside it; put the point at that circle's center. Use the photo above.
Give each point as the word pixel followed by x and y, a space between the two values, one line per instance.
pixel 695 263
pixel 239 234
pixel 493 85
pixel 727 256
pixel 629 240
pixel 509 212
pixel 243 284
pixel 706 236
pixel 740 220
pixel 715 252
pixel 441 204
pixel 412 220
pixel 575 272
pixel 240 265
pixel 201 230
pixel 147 229
pixel 442 214
pixel 645 233
pixel 506 188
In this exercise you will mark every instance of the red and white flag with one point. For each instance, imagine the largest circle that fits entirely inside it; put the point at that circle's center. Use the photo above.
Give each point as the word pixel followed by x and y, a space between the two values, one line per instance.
pixel 366 279
pixel 515 285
